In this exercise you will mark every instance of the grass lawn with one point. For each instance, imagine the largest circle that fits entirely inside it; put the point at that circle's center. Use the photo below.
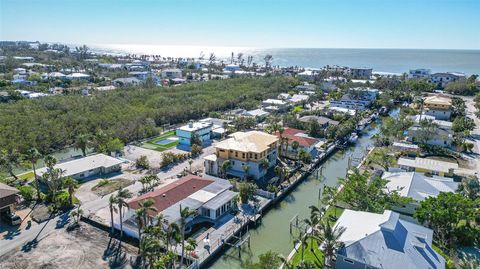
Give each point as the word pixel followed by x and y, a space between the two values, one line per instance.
pixel 297 108
pixel 333 213
pixel 26 176
pixel 316 256
pixel 449 264
pixel 106 186
pixel 152 143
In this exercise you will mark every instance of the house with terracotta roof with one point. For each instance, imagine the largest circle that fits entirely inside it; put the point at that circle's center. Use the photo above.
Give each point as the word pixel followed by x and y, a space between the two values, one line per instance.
pixel 210 199
pixel 304 141
pixel 242 150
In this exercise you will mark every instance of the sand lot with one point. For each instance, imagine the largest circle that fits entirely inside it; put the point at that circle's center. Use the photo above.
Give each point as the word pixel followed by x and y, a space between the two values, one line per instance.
pixel 85 247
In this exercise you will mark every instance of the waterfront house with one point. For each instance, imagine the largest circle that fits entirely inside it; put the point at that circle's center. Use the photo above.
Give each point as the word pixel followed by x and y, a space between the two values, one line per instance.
pixel 304 141
pixel 430 166
pixel 360 72
pixel 385 241
pixel 8 198
pixel 243 150
pixel 418 187
pixel 438 106
pixel 210 199
pixel 419 73
pixel 202 129
pixel 356 99
pixel 82 168
pixel 442 137
pixel 258 114
pixel 324 122
pixel 443 79
pixel 406 148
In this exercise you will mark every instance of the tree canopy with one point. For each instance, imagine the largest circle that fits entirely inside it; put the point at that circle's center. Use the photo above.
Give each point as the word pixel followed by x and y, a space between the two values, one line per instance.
pixel 51 123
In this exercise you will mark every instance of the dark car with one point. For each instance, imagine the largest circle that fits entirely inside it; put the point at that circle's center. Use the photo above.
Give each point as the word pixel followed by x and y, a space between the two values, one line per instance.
pixel 11 219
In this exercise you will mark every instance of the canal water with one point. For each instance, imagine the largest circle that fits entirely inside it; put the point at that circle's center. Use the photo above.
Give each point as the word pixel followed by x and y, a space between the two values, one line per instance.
pixel 273 232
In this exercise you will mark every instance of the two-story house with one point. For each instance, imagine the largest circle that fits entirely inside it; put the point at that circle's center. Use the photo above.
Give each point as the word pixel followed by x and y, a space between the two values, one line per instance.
pixel 243 154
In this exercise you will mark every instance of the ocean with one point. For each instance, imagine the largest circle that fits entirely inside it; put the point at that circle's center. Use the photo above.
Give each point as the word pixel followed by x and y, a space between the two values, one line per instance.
pixel 381 60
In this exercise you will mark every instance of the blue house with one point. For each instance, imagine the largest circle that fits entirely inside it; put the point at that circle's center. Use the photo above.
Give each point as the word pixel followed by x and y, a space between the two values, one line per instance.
pixel 203 129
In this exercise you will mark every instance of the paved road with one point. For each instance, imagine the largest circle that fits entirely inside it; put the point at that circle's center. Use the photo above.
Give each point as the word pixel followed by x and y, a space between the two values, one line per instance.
pixel 475 134
pixel 28 239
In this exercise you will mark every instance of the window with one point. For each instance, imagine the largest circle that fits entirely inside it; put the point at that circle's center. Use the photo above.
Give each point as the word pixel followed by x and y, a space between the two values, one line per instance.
pixel 236 153
pixel 217 213
pixel 348 261
pixel 256 156
pixel 243 155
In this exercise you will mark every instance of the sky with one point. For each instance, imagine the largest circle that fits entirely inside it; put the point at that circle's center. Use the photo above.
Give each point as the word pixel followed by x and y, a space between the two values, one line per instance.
pixel 424 24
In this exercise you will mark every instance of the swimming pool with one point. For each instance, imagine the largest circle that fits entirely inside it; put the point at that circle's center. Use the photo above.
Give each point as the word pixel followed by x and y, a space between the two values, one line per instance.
pixel 167 141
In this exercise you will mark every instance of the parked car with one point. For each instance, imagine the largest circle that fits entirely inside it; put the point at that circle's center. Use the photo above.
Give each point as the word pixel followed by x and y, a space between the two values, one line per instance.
pixel 11 218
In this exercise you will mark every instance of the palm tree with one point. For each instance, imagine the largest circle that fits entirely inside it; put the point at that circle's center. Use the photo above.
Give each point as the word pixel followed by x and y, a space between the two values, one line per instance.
pixel 224 168
pixel 71 184
pixel 8 160
pixel 112 201
pixel 295 146
pixel 33 156
pixel 245 168
pixel 76 214
pixel 331 241
pixel 144 207
pixel 144 180
pixel 185 213
pixel 301 239
pixel 191 245
pixel 190 161
pixel 314 222
pixel 268 61
pixel 82 141
pixel 122 196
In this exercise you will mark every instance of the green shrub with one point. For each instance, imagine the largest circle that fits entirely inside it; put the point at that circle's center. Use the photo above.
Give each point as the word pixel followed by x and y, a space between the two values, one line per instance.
pixel 27 192
pixel 142 163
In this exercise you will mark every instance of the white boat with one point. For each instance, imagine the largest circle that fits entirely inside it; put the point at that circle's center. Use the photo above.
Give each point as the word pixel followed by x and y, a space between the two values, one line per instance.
pixel 353 138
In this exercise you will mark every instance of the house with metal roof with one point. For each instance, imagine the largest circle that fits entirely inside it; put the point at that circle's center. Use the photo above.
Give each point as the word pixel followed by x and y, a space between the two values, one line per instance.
pixel 210 199
pixel 418 187
pixel 424 165
pixel 384 241
pixel 82 168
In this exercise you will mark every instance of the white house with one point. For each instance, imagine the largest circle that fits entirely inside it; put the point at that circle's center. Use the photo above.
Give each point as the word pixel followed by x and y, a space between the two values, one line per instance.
pixel 418 187
pixel 99 164
pixel 210 199
pixel 419 73
pixel 443 79
pixel 360 72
